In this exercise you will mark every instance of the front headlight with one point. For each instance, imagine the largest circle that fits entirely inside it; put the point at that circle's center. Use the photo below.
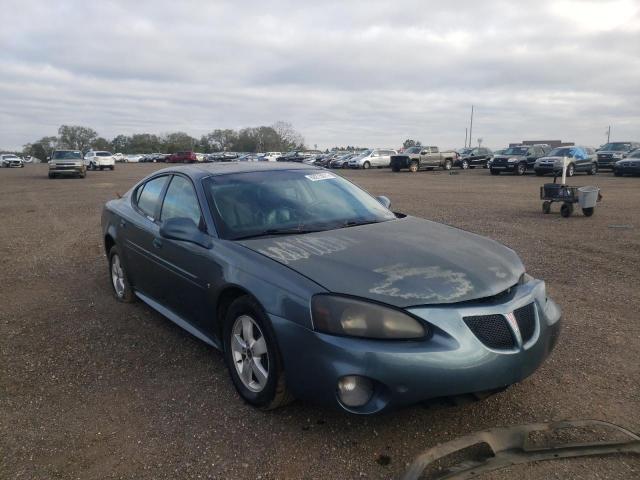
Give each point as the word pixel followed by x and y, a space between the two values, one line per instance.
pixel 512 160
pixel 346 316
pixel 618 155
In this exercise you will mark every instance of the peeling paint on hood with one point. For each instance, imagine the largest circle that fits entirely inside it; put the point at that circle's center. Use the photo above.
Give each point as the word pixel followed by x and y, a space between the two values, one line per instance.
pixel 403 262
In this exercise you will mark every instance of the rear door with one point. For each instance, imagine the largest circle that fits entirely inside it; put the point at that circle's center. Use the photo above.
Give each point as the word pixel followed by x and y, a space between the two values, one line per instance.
pixel 385 158
pixel 187 267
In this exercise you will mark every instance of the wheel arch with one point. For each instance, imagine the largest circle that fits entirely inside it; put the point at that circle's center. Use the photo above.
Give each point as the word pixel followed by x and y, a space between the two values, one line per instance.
pixel 227 295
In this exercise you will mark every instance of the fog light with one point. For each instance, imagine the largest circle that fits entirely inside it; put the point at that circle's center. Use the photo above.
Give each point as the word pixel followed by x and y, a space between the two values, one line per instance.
pixel 354 391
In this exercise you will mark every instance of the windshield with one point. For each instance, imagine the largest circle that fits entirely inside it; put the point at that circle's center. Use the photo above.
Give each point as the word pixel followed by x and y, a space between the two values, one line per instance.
pixel 562 152
pixel 413 150
pixel 103 154
pixel 288 201
pixel 66 155
pixel 516 151
pixel 9 156
pixel 466 151
pixel 635 154
pixel 617 147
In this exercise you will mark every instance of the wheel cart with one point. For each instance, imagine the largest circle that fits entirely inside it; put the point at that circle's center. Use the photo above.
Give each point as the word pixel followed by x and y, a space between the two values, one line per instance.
pixel 586 197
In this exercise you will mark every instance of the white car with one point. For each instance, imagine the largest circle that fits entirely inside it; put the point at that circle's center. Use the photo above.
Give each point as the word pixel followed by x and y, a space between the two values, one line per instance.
pixel 10 160
pixel 99 160
pixel 372 158
pixel 132 158
pixel 118 157
pixel 271 156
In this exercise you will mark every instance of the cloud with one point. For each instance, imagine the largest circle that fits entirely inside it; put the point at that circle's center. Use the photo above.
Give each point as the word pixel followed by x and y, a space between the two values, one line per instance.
pixel 362 72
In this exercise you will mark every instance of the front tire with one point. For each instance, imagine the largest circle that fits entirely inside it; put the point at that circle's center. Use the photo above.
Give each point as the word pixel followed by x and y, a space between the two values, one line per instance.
pixel 566 209
pixel 413 168
pixel 464 165
pixel 252 355
pixel 521 169
pixel 571 170
pixel 593 170
pixel 448 164
pixel 494 172
pixel 366 165
pixel 121 288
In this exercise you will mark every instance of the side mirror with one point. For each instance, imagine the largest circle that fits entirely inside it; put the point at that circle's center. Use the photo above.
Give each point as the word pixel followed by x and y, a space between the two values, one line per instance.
pixel 384 201
pixel 185 230
pixel 48 158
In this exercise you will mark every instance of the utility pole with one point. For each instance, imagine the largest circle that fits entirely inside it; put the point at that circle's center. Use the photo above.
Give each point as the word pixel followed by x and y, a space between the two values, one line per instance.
pixel 466 132
pixel 471 128
pixel 608 133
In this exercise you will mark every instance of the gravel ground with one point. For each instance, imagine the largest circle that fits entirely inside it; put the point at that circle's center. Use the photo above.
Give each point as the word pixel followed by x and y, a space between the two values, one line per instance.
pixel 91 388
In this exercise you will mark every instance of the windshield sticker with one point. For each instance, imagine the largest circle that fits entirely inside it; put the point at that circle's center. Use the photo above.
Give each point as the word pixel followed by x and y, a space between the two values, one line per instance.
pixel 320 176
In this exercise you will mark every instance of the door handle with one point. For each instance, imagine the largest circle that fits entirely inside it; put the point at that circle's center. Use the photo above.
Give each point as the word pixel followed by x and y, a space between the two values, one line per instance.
pixel 157 242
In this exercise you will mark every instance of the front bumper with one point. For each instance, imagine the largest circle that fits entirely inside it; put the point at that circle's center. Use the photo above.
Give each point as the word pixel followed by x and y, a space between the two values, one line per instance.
pixel 453 361
pixel 607 162
pixel 504 167
pixel 547 169
pixel 12 164
pixel 67 169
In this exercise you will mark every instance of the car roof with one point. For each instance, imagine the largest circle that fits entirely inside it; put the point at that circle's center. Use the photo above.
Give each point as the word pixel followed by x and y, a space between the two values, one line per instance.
pixel 225 168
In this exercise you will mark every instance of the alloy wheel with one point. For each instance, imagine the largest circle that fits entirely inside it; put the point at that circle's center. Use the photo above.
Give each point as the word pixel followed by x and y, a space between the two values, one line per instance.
pixel 117 276
pixel 249 352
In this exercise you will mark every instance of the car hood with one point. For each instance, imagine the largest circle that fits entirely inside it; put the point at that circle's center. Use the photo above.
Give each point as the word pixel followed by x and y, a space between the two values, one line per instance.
pixel 402 262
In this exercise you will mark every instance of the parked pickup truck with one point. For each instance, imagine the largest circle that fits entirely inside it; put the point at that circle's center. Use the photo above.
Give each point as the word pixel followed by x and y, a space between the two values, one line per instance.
pixel 423 158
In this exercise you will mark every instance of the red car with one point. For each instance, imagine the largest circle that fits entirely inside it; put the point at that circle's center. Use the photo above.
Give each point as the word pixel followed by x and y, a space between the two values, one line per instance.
pixel 182 157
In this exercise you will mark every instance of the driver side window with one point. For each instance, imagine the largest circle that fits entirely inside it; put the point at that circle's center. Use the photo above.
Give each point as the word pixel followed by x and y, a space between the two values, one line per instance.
pixel 181 201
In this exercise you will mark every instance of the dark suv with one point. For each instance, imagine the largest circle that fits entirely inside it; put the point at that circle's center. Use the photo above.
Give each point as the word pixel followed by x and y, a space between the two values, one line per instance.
pixel 610 153
pixel 474 157
pixel 518 159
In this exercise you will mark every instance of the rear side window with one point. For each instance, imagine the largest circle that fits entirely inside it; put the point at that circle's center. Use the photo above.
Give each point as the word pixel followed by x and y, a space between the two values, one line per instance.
pixel 148 196
pixel 181 201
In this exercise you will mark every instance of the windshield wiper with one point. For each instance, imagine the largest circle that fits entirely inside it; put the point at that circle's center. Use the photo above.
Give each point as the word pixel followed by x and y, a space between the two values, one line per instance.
pixel 356 223
pixel 278 231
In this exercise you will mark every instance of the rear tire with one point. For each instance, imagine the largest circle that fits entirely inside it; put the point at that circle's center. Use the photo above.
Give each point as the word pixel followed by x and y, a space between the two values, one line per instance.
pixel 413 168
pixel 593 170
pixel 546 207
pixel 273 393
pixel 571 170
pixel 464 165
pixel 588 211
pixel 521 169
pixel 448 164
pixel 121 287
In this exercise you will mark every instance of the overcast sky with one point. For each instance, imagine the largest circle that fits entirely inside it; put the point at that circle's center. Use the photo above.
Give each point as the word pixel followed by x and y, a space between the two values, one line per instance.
pixel 368 73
